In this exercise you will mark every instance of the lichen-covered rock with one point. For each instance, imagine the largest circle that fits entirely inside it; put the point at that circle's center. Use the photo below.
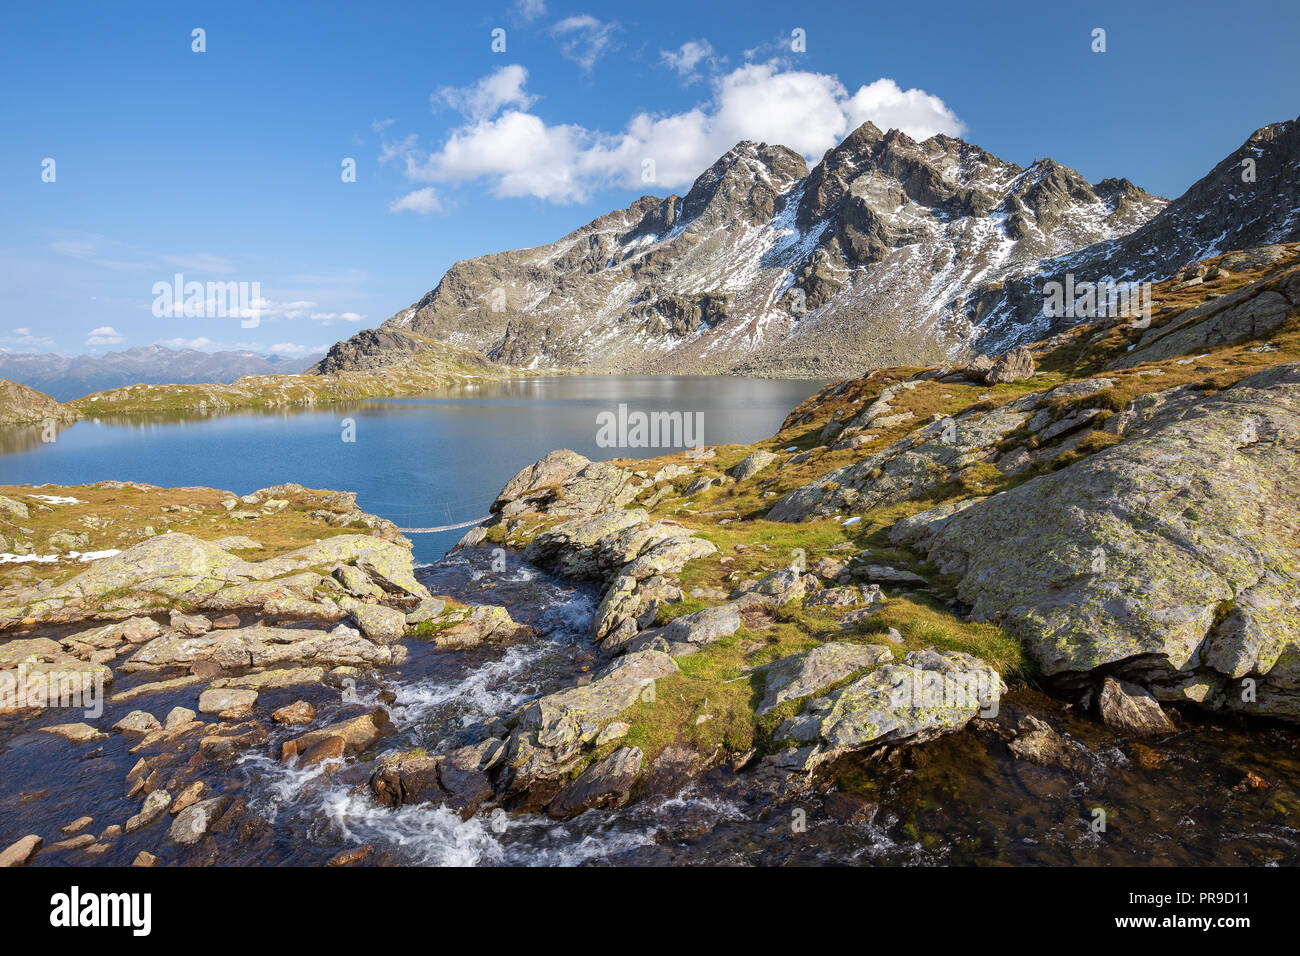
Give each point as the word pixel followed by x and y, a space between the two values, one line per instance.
pixel 606 783
pixel 172 569
pixel 262 646
pixel 752 465
pixel 488 623
pixel 1170 558
pixel 932 693
pixel 383 625
pixel 1011 367
pixel 550 732
pixel 808 672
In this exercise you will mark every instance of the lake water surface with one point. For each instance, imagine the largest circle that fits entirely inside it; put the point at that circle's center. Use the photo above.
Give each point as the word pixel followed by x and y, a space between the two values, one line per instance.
pixel 419 462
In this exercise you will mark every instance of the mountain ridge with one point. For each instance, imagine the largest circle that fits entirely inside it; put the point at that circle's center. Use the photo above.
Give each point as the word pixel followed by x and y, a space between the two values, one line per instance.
pixel 887 251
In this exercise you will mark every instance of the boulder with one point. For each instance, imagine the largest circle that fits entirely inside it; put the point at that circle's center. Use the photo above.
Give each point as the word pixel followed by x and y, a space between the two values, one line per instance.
pixel 155 805
pixel 1130 709
pixel 215 700
pixel 383 625
pixel 1012 367
pixel 752 465
pixel 606 783
pixel 22 852
pixel 930 694
pixel 138 722
pixel 1159 559
pixel 800 675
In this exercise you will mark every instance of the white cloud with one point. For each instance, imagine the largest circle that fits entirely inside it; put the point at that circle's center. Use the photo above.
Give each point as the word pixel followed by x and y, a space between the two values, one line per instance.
pixel 484 99
pixel 685 59
pixel 584 39
pixel 423 201
pixel 529 10
pixel 24 336
pixel 518 154
pixel 105 335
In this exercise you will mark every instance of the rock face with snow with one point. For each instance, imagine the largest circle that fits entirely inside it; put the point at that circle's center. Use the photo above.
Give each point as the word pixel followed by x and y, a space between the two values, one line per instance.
pixel 767 268
pixel 1232 207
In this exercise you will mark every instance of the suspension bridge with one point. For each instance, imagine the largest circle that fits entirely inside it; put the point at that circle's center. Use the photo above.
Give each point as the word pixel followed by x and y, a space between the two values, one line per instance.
pixel 420 519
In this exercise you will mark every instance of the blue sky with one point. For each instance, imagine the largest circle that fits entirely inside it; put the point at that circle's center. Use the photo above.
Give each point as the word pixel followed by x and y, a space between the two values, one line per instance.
pixel 226 165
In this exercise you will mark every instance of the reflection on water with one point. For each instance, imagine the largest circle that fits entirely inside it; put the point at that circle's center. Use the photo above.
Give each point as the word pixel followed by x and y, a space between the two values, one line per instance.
pixel 420 462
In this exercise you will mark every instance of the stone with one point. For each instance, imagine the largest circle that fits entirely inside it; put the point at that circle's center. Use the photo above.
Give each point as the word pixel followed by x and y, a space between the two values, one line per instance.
pixel 138 722
pixel 189 625
pixel 356 734
pixel 488 623
pixel 800 675
pixel 299 712
pixel 216 699
pixel 191 824
pixel 155 805
pixel 77 825
pixel 1130 709
pixel 77 733
pixel 79 842
pixel 930 694
pixel 752 465
pixel 191 795
pixel 614 730
pixel 427 610
pixel 144 858
pixel 178 717
pixel 1012 367
pixel 1141 558
pixel 606 783
pixel 225 622
pixel 22 852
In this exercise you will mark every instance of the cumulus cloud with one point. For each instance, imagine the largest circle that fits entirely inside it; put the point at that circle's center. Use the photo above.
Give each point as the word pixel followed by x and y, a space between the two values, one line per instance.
pixel 423 201
pixel 584 39
pixel 105 335
pixel 518 154
pixel 504 87
pixel 686 58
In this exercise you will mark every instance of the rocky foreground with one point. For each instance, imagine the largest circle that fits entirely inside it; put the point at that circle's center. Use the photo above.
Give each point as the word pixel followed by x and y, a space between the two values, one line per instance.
pixel 1111 515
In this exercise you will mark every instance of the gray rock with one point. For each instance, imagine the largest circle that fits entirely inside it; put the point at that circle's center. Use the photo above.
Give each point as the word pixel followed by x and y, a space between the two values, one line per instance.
pixel 155 805
pixel 1130 709
pixel 138 722
pixel 606 783
pixel 214 700
pixel 931 694
pixel 192 823
pixel 752 465
pixel 1144 559
pixel 383 625
pixel 808 672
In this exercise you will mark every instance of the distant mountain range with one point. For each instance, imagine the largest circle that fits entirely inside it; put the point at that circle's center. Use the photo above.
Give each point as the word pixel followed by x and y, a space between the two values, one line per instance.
pixel 67 378
pixel 888 252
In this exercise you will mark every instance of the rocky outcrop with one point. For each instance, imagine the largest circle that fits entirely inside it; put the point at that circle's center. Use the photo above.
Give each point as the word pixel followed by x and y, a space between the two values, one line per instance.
pixel 807 673
pixel 931 693
pixel 1169 559
pixel 20 405
pixel 1250 312
pixel 178 569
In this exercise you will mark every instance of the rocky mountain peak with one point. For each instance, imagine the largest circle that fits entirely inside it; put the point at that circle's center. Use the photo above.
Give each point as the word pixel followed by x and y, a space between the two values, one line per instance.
pixel 889 251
